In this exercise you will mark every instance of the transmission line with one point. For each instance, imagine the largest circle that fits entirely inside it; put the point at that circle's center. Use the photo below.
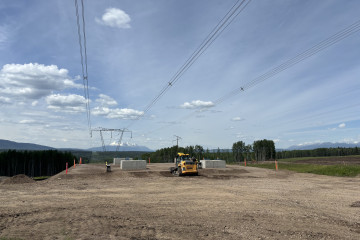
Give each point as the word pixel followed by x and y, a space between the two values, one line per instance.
pixel 346 32
pixel 83 58
pixel 337 37
pixel 229 17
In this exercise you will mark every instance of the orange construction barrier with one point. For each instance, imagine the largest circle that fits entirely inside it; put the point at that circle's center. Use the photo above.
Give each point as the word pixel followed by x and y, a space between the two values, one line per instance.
pixel 276 165
pixel 80 161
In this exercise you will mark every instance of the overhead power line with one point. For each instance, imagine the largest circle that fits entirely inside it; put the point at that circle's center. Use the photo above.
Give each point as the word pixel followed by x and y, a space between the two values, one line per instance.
pixel 234 11
pixel 346 32
pixel 337 37
pixel 83 58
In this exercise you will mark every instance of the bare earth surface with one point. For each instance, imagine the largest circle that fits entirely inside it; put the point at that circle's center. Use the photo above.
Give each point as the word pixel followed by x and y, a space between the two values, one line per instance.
pixel 232 203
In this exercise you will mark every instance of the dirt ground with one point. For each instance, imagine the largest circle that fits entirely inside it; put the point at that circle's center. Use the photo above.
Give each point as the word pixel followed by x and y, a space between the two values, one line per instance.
pixel 348 160
pixel 232 203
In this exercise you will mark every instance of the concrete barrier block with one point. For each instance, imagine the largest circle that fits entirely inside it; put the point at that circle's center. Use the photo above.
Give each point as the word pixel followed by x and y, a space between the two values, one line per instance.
pixel 133 164
pixel 117 161
pixel 213 163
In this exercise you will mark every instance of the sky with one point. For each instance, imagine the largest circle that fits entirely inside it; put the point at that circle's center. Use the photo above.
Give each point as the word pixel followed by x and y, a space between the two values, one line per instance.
pixel 134 48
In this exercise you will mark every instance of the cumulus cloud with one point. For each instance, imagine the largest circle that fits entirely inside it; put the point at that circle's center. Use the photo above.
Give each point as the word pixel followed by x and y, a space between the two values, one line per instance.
pixel 66 103
pixel 342 125
pixel 197 104
pixel 237 119
pixel 33 80
pixel 114 17
pixel 123 113
pixel 105 100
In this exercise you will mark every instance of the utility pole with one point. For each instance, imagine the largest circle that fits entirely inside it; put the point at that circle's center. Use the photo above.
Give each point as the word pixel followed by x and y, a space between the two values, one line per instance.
pixel 177 141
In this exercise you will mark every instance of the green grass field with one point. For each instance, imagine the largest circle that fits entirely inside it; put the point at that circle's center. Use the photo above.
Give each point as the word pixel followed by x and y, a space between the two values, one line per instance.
pixel 40 179
pixel 316 158
pixel 330 170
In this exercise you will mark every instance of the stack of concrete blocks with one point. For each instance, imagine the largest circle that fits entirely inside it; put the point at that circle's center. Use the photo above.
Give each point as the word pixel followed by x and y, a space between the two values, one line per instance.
pixel 118 160
pixel 133 165
pixel 213 163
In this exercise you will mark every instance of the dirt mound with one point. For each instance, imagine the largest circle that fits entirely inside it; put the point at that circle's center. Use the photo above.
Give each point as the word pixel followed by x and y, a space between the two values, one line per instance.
pixel 355 204
pixel 18 179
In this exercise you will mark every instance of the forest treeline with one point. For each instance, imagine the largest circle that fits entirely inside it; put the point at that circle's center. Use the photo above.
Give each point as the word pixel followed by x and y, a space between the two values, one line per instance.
pixel 261 150
pixel 319 152
pixel 34 163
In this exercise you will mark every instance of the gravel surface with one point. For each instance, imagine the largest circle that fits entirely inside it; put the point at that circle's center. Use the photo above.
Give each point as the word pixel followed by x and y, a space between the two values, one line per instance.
pixel 232 203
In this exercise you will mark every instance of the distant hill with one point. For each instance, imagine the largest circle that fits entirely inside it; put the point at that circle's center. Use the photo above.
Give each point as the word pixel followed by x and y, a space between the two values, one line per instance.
pixel 6 145
pixel 123 148
pixel 220 150
pixel 322 145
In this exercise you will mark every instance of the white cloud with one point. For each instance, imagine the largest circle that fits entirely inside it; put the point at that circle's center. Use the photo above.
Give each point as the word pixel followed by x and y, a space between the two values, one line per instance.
pixel 33 80
pixel 66 103
pixel 27 121
pixel 114 17
pixel 342 125
pixel 105 100
pixel 115 143
pixel 123 113
pixel 237 119
pixel 4 100
pixel 197 104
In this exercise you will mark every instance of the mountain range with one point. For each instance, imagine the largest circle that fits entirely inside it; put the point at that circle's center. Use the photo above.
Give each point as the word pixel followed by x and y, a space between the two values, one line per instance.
pixel 322 145
pixel 125 147
pixel 5 145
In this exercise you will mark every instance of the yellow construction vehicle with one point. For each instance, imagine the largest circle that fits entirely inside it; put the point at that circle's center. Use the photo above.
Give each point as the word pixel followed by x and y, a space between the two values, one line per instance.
pixel 184 165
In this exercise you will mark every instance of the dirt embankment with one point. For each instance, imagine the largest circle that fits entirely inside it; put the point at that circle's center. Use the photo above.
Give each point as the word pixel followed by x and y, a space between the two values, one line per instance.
pixel 18 179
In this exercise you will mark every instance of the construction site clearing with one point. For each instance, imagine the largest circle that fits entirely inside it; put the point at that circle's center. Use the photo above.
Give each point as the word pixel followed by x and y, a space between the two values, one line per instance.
pixel 235 202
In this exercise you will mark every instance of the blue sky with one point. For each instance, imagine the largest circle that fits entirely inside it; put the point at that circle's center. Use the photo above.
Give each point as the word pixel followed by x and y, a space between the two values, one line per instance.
pixel 135 47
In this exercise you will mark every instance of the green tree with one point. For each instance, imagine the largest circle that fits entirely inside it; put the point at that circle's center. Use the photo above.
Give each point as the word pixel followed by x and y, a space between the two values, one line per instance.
pixel 264 150
pixel 238 148
pixel 247 150
pixel 199 150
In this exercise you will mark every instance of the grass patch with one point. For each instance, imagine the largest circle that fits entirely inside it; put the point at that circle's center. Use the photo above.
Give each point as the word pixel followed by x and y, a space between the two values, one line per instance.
pixel 40 179
pixel 316 158
pixel 329 170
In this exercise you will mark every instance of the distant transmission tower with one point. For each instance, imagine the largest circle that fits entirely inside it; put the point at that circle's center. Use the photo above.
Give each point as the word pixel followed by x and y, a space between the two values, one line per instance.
pixel 111 130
